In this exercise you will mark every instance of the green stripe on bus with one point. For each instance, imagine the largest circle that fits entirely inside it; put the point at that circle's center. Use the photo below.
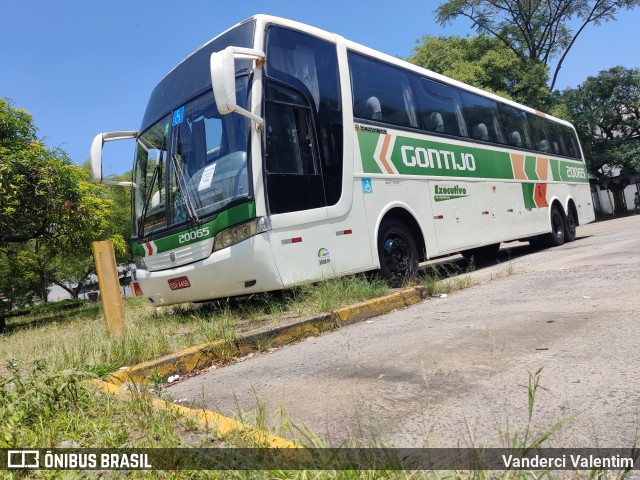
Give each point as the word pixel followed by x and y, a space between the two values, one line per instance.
pixel 530 168
pixel 136 248
pixel 368 143
pixel 573 172
pixel 233 216
pixel 554 166
pixel 414 156
pixel 527 194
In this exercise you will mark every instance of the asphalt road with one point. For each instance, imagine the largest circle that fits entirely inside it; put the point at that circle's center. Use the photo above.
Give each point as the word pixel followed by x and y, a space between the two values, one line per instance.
pixel 450 371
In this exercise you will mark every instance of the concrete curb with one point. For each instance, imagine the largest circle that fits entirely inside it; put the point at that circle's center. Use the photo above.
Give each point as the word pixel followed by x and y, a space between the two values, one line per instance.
pixel 205 418
pixel 199 357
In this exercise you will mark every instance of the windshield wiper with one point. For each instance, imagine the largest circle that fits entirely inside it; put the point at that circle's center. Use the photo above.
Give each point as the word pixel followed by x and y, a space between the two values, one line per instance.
pixel 182 184
pixel 157 174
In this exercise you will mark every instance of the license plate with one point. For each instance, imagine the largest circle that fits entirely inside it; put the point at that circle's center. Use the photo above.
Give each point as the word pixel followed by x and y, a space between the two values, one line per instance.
pixel 178 283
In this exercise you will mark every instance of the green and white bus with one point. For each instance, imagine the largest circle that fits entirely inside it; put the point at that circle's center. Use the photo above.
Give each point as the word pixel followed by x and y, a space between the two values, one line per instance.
pixel 279 153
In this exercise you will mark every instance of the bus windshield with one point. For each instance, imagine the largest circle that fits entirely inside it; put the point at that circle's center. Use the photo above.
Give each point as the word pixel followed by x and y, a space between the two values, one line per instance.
pixel 190 164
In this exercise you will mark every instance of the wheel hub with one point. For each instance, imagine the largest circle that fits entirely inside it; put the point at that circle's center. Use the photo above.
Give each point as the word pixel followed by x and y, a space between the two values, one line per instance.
pixel 397 254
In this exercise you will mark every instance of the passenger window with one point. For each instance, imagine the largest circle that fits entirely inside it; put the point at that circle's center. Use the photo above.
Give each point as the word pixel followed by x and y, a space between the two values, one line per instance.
pixel 381 92
pixel 439 107
pixel 537 126
pixel 556 142
pixel 514 123
pixel 482 116
pixel 570 141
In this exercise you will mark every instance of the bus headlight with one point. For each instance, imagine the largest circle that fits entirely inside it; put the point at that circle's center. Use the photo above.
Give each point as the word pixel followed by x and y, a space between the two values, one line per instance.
pixel 139 261
pixel 240 232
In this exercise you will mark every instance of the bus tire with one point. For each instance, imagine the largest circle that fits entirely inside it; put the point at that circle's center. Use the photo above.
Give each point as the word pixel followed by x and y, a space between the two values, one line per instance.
pixel 556 237
pixel 570 226
pixel 397 253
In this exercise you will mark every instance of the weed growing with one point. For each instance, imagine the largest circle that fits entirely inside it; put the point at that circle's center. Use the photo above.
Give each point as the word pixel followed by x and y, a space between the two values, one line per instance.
pixel 41 408
pixel 446 277
pixel 77 339
pixel 505 272
pixel 336 292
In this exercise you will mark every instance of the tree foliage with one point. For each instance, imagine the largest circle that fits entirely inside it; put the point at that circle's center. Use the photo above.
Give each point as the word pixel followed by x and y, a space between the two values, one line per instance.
pixel 485 62
pixel 50 213
pixel 605 110
pixel 534 29
pixel 39 191
pixel 109 210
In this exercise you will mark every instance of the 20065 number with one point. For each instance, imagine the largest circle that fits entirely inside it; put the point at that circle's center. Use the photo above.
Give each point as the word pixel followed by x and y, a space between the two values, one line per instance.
pixel 193 235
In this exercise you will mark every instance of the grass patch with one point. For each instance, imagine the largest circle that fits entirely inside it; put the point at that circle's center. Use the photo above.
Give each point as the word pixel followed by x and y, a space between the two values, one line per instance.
pixel 507 271
pixel 48 313
pixel 336 292
pixel 41 408
pixel 446 277
pixel 77 339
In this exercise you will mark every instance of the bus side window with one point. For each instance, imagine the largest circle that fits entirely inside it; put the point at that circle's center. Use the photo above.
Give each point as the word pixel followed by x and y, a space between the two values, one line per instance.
pixel 482 116
pixel 554 132
pixel 537 128
pixel 439 107
pixel 290 142
pixel 514 123
pixel 381 92
pixel 570 141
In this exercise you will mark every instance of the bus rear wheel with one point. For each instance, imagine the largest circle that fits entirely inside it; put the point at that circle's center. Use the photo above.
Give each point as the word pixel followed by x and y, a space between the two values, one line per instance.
pixel 570 226
pixel 397 253
pixel 557 235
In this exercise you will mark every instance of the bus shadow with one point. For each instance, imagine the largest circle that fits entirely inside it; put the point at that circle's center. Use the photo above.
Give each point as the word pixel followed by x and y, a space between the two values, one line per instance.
pixel 454 265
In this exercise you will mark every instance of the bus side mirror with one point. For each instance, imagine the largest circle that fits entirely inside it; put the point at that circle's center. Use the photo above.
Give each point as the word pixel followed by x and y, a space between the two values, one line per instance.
pixel 223 79
pixel 96 154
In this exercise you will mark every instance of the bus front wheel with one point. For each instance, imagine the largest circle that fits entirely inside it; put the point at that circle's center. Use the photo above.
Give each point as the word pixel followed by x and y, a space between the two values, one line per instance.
pixel 397 253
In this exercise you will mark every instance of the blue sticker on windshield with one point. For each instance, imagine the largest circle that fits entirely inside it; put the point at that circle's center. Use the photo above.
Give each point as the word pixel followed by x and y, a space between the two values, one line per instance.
pixel 178 116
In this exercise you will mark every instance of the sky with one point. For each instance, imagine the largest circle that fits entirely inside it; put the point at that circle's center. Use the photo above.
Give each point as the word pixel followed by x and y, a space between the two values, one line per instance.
pixel 83 67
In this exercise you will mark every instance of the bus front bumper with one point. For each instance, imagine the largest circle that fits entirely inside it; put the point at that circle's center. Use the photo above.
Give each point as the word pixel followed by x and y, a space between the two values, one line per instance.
pixel 245 268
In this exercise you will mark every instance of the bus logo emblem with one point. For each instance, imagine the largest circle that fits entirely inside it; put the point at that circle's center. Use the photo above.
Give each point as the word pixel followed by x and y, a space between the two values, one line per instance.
pixel 324 257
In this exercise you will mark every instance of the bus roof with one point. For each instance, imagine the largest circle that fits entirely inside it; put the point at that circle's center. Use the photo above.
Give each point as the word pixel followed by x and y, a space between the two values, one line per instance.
pixel 263 20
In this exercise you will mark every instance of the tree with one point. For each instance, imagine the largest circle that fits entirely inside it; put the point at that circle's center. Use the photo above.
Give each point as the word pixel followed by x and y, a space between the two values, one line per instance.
pixel 534 29
pixel 50 212
pixel 106 214
pixel 39 191
pixel 485 62
pixel 17 286
pixel 605 110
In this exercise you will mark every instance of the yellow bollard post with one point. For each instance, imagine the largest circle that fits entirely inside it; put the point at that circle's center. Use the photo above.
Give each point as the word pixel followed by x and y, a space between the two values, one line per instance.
pixel 110 296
